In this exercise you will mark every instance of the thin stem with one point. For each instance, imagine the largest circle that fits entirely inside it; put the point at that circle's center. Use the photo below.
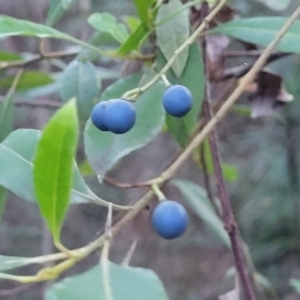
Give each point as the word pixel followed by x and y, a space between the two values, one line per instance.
pixel 101 202
pixel 228 216
pixel 129 253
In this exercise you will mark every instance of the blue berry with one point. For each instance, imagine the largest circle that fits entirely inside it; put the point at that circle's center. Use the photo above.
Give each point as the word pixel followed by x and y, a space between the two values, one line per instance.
pixel 169 219
pixel 177 100
pixel 97 116
pixel 119 116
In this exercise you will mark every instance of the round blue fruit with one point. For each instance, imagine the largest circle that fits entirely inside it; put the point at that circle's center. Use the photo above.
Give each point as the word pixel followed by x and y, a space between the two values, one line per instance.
pixel 119 116
pixel 169 219
pixel 97 116
pixel 177 100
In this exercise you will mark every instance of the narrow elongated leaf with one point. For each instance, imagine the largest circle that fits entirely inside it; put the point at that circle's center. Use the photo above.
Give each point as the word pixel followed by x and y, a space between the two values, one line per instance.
pixel 56 10
pixel 53 166
pixel 3 195
pixel 134 41
pixel 16 156
pixel 126 283
pixel 230 172
pixel 143 9
pixel 12 26
pixel 6 117
pixel 194 79
pixel 106 22
pixel 295 283
pixel 262 30
pixel 9 56
pixel 7 109
pixel 104 149
pixel 196 197
pixel 28 80
pixel 80 81
pixel 173 33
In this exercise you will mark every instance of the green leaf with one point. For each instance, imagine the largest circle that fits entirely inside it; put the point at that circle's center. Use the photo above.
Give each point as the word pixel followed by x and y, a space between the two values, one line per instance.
pixel 295 283
pixel 7 108
pixel 28 80
pixel 230 172
pixel 134 41
pixel 194 79
pixel 16 156
pixel 106 22
pixel 132 22
pixel 9 56
pixel 66 3
pixel 12 26
pixel 3 195
pixel 173 33
pixel 56 10
pixel 143 9
pixel 104 149
pixel 241 109
pixel 53 166
pixel 80 81
pixel 126 283
pixel 196 197
pixel 276 4
pixel 261 31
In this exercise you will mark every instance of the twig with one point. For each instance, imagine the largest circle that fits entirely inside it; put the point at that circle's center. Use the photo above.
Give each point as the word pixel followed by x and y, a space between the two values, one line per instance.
pixel 36 59
pixel 227 212
pixel 15 291
pixel 241 70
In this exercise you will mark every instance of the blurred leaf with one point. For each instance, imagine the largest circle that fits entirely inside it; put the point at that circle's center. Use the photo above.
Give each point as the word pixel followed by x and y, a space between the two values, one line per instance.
pixel 56 10
pixel 243 110
pixel 231 295
pixel 9 56
pixel 106 22
pixel 193 78
pixel 11 262
pixel 3 195
pixel 80 81
pixel 173 33
pixel 98 39
pixel 196 197
pixel 12 27
pixel 132 22
pixel 295 283
pixel 230 172
pixel 126 283
pixel 7 108
pixel 143 9
pixel 28 80
pixel 134 41
pixel 86 169
pixel 104 149
pixel 66 3
pixel 53 166
pixel 16 156
pixel 261 31
pixel 276 4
